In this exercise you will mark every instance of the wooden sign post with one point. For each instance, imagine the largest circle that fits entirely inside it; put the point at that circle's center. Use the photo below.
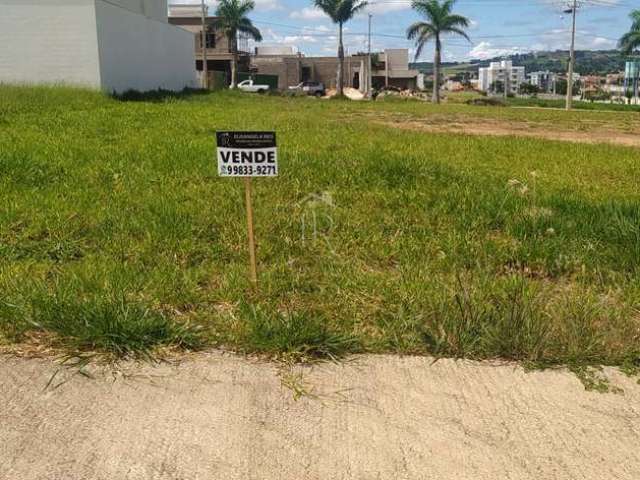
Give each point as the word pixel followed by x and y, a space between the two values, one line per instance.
pixel 247 155
pixel 252 240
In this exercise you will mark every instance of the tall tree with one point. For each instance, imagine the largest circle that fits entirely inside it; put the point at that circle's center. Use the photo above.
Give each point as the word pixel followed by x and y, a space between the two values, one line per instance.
pixel 630 41
pixel 340 12
pixel 439 21
pixel 233 20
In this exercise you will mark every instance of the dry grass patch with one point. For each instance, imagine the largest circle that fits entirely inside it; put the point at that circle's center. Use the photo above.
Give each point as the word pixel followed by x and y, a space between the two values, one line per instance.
pixel 588 131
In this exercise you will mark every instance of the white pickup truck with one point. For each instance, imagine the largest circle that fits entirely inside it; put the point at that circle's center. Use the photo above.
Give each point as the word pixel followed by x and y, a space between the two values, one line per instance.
pixel 250 86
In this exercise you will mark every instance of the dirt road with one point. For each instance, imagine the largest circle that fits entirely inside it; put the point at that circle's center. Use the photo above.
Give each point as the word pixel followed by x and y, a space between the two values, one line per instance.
pixel 587 130
pixel 377 417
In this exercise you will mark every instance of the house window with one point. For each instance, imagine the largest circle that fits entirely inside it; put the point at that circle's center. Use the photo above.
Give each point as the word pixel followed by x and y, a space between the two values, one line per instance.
pixel 211 40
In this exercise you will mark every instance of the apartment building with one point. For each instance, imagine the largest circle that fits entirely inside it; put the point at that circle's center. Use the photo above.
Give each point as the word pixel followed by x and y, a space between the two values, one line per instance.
pixel 632 79
pixel 113 45
pixel 497 74
pixel 545 81
pixel 219 50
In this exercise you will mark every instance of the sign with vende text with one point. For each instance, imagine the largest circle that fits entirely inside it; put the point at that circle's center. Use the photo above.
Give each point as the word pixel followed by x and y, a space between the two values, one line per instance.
pixel 247 154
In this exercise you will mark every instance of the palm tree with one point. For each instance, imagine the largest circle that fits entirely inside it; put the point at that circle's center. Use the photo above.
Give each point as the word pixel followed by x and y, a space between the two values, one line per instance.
pixel 233 20
pixel 630 41
pixel 340 12
pixel 440 20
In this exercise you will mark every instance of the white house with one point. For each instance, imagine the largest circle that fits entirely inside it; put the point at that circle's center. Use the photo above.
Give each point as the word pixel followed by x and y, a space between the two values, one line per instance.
pixel 113 45
pixel 501 72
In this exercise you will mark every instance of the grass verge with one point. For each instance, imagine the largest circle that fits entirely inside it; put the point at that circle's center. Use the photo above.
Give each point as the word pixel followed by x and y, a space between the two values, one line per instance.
pixel 578 105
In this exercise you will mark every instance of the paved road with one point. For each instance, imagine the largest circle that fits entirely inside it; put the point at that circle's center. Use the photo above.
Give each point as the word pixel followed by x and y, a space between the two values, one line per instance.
pixel 381 417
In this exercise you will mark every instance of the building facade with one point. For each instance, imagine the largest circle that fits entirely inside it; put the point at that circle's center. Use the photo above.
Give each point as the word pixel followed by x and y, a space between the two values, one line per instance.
pixel 219 50
pixel 389 69
pixel 632 79
pixel 112 45
pixel 497 75
pixel 392 70
pixel 293 69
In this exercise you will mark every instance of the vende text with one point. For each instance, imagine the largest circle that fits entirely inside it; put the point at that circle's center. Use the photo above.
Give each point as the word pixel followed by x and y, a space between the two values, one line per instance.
pixel 247 156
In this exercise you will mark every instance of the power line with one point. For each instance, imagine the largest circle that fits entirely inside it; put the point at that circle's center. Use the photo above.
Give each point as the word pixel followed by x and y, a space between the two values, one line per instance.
pixel 598 3
pixel 476 40
pixel 313 32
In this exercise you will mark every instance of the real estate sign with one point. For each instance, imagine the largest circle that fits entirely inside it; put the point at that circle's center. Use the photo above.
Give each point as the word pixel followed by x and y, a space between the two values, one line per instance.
pixel 247 154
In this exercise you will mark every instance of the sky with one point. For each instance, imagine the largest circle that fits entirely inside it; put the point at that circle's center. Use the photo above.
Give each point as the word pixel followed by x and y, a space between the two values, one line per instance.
pixel 498 27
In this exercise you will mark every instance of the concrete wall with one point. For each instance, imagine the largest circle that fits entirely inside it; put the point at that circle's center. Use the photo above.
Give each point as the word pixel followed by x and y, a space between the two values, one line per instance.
pixel 325 70
pixel 49 41
pixel 401 83
pixel 142 54
pixel 290 69
pixel 94 43
pixel 275 50
pixel 156 9
pixel 397 58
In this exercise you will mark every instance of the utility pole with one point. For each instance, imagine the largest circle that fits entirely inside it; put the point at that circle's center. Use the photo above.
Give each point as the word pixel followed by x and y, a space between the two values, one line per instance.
pixel 203 38
pixel 505 85
pixel 507 67
pixel 370 74
pixel 572 56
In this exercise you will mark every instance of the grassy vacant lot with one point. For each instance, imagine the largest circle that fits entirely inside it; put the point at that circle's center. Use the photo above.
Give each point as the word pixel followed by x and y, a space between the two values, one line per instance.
pixel 116 234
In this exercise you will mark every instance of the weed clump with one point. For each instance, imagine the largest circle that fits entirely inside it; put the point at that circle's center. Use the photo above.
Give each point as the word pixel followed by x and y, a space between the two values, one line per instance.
pixel 99 322
pixel 517 319
pixel 487 102
pixel 296 336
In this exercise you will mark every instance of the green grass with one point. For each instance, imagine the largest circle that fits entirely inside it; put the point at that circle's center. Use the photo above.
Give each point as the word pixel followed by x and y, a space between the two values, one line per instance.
pixel 292 335
pixel 117 236
pixel 578 105
pixel 83 318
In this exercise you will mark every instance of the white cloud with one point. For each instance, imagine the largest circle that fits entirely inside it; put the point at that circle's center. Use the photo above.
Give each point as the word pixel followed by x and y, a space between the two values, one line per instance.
pixel 266 5
pixel 308 13
pixel 387 7
pixel 485 50
pixel 261 5
pixel 547 41
pixel 305 38
pixel 599 42
pixel 320 28
pixel 376 8
pixel 297 39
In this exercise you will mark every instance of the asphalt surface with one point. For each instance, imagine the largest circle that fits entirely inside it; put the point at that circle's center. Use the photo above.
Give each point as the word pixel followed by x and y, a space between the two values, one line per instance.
pixel 219 416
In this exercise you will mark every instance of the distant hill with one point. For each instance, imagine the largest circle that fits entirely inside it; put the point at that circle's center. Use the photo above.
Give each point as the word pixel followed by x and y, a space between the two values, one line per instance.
pixel 588 62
